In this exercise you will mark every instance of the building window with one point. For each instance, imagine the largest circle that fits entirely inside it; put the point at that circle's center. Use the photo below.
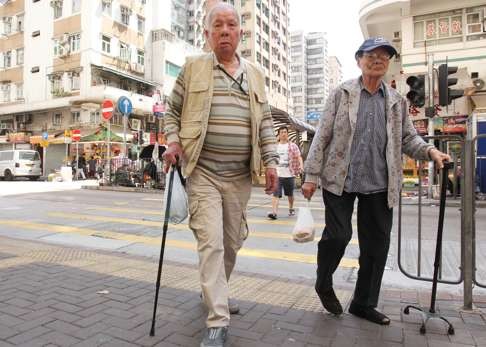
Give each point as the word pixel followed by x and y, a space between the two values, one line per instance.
pixel 141 24
pixel 76 6
pixel 20 22
pixel 20 56
pixel 75 117
pixel 172 69
pixel 56 85
pixel 6 92
pixel 74 81
pixel 7 25
pixel 19 91
pixel 106 7
pixel 125 15
pixel 57 7
pixel 74 43
pixel 266 45
pixel 94 117
pixel 106 44
pixel 124 51
pixel 57 119
pixel 7 59
pixel 140 57
pixel 473 22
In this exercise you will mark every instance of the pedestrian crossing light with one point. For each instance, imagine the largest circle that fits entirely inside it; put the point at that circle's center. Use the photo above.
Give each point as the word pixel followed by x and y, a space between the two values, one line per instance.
pixel 416 95
pixel 446 94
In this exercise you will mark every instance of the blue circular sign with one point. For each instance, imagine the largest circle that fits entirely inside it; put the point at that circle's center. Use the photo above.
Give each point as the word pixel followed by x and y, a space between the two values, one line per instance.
pixel 45 135
pixel 124 105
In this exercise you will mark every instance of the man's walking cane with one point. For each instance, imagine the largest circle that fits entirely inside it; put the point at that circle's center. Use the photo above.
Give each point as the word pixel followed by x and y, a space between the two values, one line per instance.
pixel 432 313
pixel 162 248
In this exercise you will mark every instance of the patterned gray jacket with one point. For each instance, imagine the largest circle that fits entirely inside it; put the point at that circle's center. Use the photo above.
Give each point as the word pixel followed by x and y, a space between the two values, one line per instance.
pixel 329 154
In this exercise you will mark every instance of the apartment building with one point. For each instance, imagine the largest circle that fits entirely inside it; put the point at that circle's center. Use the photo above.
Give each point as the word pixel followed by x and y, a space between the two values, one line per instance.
pixel 265 40
pixel 60 64
pixel 423 31
pixel 335 72
pixel 309 80
pixel 298 74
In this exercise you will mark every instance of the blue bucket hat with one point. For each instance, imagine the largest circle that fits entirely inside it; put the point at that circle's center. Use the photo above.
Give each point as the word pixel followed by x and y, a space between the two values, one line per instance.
pixel 375 42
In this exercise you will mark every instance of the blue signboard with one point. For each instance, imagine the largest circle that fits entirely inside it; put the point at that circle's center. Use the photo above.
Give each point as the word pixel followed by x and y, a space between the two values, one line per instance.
pixel 313 116
pixel 124 105
pixel 45 135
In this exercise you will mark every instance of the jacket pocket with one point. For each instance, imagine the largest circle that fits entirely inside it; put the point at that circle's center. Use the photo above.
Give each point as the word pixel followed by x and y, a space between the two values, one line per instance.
pixel 198 96
pixel 189 135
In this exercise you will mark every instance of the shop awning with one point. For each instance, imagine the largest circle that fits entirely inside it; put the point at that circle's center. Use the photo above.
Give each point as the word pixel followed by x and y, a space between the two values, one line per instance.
pixel 125 75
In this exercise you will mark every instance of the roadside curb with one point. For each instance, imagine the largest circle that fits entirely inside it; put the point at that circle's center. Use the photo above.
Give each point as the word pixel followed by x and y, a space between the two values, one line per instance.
pixel 124 189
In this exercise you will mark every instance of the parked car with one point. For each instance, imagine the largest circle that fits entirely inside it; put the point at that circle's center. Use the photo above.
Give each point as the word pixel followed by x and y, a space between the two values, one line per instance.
pixel 20 163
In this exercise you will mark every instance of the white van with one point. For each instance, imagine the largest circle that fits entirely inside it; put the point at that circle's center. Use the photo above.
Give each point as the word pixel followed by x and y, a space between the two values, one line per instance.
pixel 20 163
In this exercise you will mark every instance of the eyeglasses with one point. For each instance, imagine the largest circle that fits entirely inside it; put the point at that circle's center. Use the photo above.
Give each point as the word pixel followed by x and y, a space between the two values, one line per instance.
pixel 375 56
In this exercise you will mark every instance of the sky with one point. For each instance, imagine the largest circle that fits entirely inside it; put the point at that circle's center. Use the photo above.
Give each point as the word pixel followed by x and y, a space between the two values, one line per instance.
pixel 339 19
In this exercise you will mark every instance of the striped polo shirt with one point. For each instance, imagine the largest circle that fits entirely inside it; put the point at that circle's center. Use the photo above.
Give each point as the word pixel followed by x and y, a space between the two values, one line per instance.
pixel 226 150
pixel 367 171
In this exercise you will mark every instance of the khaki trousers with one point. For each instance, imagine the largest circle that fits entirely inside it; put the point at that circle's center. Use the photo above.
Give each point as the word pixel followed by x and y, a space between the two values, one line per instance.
pixel 218 220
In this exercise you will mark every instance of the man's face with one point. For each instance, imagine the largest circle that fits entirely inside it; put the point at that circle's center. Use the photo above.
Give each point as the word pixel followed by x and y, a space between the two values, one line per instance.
pixel 283 135
pixel 374 63
pixel 224 32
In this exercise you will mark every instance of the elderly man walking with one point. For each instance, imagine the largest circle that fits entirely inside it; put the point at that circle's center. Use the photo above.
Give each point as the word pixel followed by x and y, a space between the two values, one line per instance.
pixel 357 153
pixel 219 124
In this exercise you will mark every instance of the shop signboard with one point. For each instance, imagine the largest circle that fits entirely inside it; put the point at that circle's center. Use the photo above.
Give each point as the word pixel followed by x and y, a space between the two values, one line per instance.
pixel 455 125
pixel 421 125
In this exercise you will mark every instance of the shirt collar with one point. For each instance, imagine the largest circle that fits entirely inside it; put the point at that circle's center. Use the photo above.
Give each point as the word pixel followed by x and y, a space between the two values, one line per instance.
pixel 381 89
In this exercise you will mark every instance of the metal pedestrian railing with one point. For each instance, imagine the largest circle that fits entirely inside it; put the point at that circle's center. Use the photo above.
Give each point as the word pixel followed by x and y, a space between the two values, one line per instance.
pixel 422 246
pixel 472 251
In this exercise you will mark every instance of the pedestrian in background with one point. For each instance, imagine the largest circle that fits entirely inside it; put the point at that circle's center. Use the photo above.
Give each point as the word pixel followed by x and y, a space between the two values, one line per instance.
pixel 357 153
pixel 289 166
pixel 219 125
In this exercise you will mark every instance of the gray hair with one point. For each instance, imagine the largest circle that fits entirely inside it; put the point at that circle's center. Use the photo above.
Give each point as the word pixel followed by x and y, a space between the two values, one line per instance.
pixel 218 7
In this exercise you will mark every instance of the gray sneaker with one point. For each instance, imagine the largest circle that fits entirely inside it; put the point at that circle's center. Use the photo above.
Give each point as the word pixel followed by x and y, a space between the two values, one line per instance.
pixel 215 337
pixel 233 307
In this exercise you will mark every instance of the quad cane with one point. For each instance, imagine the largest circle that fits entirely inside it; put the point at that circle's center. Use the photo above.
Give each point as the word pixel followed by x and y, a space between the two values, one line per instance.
pixel 426 316
pixel 162 248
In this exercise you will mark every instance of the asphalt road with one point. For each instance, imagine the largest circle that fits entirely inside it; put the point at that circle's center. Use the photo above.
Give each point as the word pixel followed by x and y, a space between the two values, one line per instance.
pixel 132 223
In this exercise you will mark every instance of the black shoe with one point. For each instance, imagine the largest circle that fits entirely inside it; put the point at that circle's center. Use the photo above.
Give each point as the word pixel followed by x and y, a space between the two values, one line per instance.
pixel 369 314
pixel 272 216
pixel 330 302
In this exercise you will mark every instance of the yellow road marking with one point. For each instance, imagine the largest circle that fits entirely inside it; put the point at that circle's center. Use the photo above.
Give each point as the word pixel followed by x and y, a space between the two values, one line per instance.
pixel 157 213
pixel 256 253
pixel 183 227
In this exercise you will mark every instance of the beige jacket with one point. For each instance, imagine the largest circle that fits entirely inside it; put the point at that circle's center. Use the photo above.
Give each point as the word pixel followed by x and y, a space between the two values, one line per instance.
pixel 190 128
pixel 329 154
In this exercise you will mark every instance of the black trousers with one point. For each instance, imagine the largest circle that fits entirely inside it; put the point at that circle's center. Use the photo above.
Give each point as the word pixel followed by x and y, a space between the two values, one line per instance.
pixel 374 227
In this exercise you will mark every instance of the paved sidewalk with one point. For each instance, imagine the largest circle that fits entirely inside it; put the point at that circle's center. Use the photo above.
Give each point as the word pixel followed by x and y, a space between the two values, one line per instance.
pixel 60 296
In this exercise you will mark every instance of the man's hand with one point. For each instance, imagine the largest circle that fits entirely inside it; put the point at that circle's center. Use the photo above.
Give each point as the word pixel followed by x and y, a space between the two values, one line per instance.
pixel 171 154
pixel 271 180
pixel 308 189
pixel 438 157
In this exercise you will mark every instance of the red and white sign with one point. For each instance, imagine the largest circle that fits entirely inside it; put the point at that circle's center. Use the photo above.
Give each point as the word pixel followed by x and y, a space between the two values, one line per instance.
pixel 107 109
pixel 76 134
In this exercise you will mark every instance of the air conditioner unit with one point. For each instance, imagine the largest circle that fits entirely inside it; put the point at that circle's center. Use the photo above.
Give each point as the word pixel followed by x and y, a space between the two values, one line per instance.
pixel 152 118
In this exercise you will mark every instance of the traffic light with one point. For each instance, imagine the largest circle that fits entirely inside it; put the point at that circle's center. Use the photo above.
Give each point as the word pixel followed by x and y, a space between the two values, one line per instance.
pixel 140 137
pixel 446 94
pixel 416 95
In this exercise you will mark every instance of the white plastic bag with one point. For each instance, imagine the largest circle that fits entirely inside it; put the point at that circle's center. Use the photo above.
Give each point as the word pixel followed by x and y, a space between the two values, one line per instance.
pixel 178 202
pixel 304 226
